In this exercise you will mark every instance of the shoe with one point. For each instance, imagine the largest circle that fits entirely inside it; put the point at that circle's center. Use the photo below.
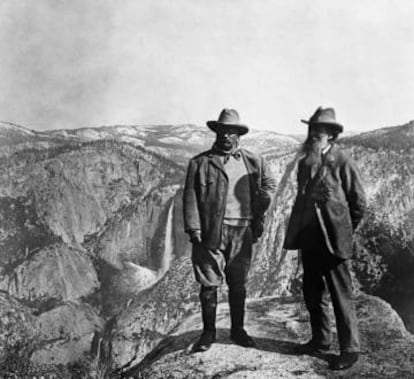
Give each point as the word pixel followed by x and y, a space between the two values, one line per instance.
pixel 205 341
pixel 312 347
pixel 344 361
pixel 240 337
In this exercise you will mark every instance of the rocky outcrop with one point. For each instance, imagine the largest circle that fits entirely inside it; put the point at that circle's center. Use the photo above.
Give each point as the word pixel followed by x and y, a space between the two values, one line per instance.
pixel 278 325
pixel 65 333
pixel 56 272
pixel 151 316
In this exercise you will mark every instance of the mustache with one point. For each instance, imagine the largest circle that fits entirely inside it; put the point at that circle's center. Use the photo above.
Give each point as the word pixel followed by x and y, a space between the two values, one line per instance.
pixel 227 144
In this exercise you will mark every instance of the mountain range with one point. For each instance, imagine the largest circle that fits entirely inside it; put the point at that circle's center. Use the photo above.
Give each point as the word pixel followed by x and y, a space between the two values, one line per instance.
pixel 93 258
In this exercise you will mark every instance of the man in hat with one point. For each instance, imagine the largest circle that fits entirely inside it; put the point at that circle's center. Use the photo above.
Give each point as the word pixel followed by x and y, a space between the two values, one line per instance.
pixel 226 193
pixel 329 205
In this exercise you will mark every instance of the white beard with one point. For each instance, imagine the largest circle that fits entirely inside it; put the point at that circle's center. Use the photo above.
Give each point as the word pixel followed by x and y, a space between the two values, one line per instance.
pixel 313 150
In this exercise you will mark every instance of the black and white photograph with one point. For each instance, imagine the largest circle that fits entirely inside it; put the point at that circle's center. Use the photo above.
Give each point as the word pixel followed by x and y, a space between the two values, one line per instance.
pixel 198 189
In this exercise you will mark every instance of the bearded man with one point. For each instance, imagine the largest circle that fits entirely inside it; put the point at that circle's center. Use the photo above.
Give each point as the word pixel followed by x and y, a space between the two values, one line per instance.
pixel 329 205
pixel 227 192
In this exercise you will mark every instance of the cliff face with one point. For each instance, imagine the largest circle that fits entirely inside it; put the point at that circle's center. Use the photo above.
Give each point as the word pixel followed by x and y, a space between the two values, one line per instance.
pixel 81 225
pixel 385 241
pixel 56 272
pixel 75 192
pixel 276 271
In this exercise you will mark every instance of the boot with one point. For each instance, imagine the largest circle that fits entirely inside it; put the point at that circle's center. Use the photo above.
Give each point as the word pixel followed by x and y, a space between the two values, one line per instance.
pixel 208 300
pixel 237 301
pixel 344 361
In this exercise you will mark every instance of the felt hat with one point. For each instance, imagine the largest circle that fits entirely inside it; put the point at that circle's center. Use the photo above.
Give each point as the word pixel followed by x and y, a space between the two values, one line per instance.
pixel 325 117
pixel 228 118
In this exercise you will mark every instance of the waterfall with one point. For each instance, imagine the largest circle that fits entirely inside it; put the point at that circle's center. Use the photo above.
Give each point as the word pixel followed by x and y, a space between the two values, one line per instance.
pixel 142 277
pixel 168 242
pixel 138 276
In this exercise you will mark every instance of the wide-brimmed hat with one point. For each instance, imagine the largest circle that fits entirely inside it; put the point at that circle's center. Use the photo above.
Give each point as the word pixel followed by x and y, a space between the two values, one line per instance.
pixel 326 117
pixel 228 118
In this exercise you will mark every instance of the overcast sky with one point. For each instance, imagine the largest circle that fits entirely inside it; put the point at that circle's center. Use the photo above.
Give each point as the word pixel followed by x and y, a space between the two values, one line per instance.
pixel 78 63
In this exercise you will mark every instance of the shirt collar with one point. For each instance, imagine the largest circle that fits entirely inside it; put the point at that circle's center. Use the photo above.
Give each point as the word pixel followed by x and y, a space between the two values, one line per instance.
pixel 326 149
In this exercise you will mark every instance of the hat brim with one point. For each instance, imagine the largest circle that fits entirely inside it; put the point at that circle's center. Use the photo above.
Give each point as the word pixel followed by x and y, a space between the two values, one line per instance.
pixel 334 125
pixel 215 126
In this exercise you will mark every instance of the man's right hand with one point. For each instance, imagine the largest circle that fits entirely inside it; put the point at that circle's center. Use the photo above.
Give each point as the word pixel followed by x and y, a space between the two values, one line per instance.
pixel 195 236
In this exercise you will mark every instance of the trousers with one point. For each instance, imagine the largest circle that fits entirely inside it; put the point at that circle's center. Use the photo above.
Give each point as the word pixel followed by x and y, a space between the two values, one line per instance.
pixel 325 274
pixel 231 260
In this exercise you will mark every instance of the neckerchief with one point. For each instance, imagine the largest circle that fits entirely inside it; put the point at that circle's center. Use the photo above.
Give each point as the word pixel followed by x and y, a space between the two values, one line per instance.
pixel 236 154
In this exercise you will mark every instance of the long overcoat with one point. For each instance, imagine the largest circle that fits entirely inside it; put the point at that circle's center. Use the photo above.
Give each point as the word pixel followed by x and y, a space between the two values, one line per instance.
pixel 205 193
pixel 339 201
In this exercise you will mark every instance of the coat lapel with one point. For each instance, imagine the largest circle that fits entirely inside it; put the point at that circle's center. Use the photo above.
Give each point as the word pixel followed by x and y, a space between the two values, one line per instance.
pixel 216 161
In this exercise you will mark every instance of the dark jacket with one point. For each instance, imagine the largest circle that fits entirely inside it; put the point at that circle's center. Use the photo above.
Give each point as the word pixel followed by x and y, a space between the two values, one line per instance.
pixel 205 194
pixel 339 201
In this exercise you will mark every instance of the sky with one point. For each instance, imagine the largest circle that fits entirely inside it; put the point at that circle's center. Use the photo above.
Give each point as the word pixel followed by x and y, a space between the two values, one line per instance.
pixel 86 63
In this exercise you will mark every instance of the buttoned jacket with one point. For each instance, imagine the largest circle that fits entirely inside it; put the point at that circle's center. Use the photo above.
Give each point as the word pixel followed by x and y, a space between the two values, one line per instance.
pixel 339 200
pixel 205 194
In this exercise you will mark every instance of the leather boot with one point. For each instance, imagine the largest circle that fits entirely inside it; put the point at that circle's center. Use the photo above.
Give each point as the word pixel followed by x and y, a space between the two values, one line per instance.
pixel 344 361
pixel 237 301
pixel 208 300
